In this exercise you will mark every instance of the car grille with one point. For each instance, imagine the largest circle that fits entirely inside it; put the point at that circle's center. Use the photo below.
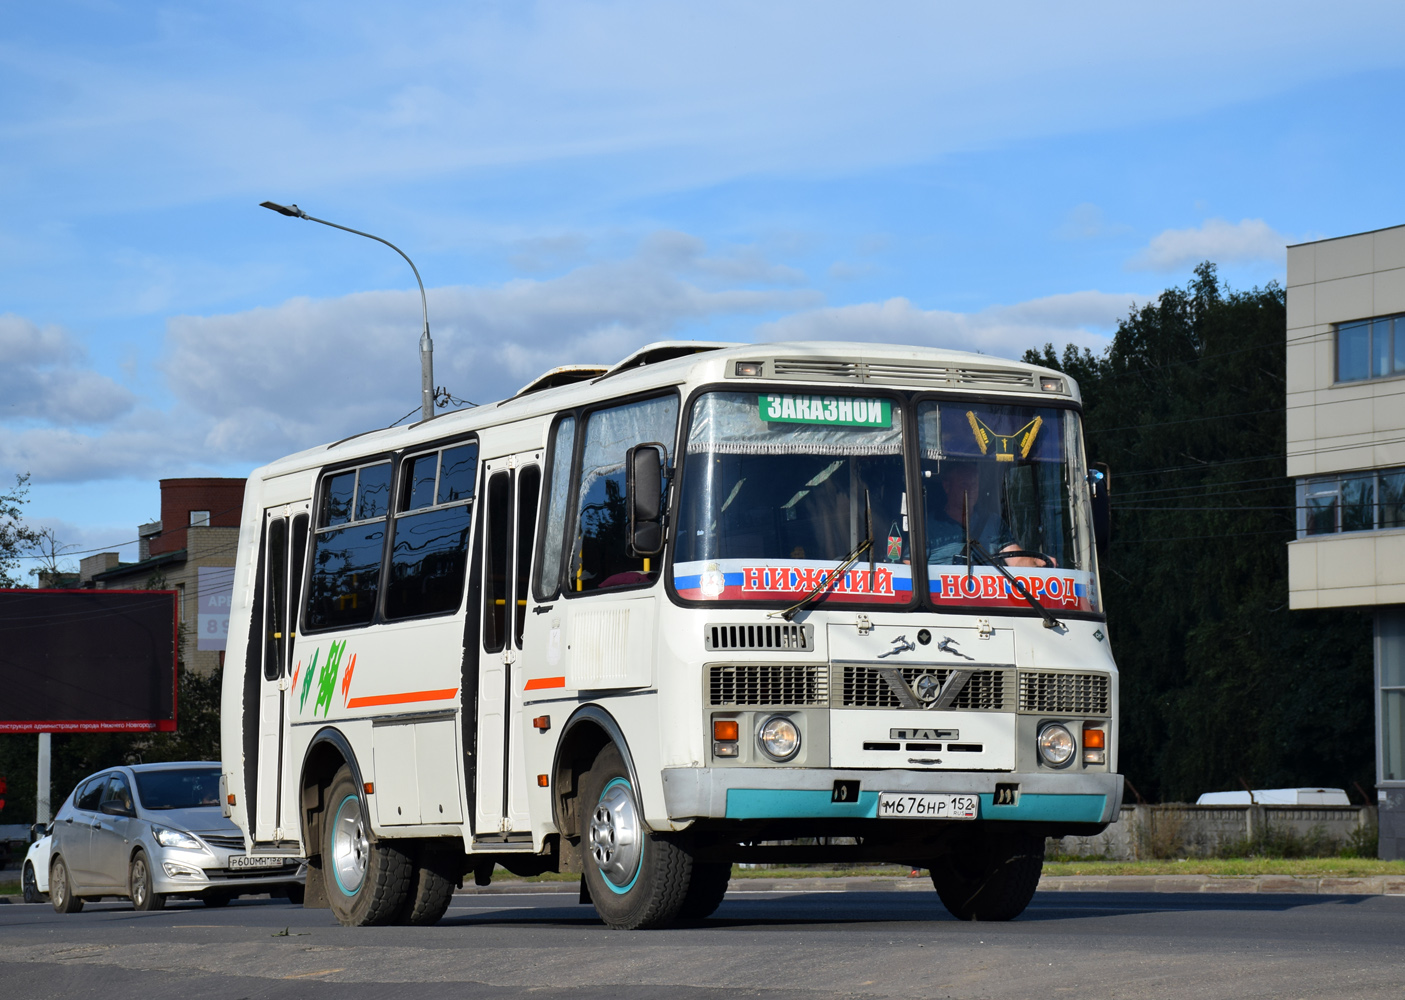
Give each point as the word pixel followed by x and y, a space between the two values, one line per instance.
pixel 227 842
pixel 1045 692
pixel 769 684
pixel 785 637
pixel 865 687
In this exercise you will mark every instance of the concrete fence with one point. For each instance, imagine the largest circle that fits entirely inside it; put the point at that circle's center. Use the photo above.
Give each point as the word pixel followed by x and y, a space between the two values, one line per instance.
pixel 1191 831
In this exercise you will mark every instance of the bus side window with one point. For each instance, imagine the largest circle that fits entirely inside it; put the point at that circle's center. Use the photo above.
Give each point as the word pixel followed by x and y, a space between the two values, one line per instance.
pixel 429 557
pixel 275 628
pixel 600 556
pixel 529 483
pixel 563 448
pixel 347 548
pixel 498 532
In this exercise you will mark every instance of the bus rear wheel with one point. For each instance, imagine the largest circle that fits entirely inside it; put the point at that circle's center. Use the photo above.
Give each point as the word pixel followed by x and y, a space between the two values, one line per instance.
pixel 367 880
pixel 989 878
pixel 638 880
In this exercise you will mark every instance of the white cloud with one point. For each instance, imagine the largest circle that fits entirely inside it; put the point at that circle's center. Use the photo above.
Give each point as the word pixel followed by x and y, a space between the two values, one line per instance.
pixel 44 377
pixel 1081 318
pixel 1216 240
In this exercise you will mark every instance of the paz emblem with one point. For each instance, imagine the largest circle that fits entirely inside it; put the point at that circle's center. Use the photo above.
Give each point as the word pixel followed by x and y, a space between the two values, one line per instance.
pixel 926 687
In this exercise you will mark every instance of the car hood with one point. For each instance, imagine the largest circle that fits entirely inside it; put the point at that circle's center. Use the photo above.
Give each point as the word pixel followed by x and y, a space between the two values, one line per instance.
pixel 201 819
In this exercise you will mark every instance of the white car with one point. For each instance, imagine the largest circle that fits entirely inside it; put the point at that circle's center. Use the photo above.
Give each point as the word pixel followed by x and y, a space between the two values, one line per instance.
pixel 35 877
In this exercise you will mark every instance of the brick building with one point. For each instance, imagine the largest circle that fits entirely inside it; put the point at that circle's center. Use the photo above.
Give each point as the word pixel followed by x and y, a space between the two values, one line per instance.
pixel 190 550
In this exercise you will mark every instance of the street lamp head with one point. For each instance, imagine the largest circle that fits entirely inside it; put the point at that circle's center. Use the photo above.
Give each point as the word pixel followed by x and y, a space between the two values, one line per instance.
pixel 290 210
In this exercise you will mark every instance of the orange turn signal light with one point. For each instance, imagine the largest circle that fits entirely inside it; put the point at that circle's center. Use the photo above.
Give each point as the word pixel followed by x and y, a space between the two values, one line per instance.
pixel 1093 738
pixel 542 722
pixel 724 730
pixel 370 788
pixel 542 781
pixel 230 797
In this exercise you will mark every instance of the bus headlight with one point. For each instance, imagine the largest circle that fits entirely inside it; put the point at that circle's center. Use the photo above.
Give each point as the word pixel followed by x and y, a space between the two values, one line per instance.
pixel 779 738
pixel 1055 744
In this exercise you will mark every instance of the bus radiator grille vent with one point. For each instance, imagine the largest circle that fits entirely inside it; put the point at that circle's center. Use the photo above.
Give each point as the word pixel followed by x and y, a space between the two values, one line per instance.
pixel 897 373
pixel 769 684
pixel 865 687
pixel 782 637
pixel 1049 693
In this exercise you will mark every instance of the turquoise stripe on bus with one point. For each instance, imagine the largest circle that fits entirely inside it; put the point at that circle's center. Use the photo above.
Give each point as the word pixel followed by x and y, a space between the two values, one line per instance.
pixel 796 803
pixel 804 803
pixel 1042 806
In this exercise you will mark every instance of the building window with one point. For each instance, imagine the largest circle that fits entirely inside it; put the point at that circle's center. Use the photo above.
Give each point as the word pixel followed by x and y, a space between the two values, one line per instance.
pixel 1351 501
pixel 1367 348
pixel 1390 683
pixel 199 518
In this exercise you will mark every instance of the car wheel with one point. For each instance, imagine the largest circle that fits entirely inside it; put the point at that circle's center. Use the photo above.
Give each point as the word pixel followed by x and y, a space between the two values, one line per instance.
pixel 637 879
pixel 31 884
pixel 368 880
pixel 61 888
pixel 139 885
pixel 436 875
pixel 992 878
pixel 705 890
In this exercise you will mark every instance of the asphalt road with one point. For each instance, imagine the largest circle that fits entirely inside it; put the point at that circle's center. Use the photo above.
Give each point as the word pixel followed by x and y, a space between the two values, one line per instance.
pixel 772 945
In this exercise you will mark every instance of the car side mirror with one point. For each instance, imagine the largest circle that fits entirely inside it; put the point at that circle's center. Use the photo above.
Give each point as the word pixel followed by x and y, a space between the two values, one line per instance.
pixel 1100 488
pixel 644 465
pixel 114 808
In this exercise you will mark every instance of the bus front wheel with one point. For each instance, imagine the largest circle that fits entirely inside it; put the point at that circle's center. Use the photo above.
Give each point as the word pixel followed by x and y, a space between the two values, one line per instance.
pixel 637 879
pixel 989 878
pixel 368 880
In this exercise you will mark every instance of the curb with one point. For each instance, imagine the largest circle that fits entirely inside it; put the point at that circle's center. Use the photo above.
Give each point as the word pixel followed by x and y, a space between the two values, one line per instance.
pixel 1374 885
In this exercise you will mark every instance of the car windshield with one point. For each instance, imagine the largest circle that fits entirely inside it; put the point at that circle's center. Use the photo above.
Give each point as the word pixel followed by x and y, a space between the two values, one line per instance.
pixel 1005 483
pixel 179 788
pixel 779 488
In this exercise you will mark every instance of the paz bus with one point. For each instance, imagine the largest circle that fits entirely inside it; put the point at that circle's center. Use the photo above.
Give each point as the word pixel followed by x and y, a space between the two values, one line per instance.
pixel 714 604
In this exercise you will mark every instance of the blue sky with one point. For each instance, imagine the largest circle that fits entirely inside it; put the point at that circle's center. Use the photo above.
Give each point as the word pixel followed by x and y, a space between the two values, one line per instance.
pixel 574 180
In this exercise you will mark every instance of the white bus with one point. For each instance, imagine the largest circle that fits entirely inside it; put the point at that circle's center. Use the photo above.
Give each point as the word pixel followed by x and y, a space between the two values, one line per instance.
pixel 716 604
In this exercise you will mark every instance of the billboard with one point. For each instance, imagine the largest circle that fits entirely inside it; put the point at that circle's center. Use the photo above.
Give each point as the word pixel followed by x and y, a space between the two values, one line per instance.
pixel 214 588
pixel 96 661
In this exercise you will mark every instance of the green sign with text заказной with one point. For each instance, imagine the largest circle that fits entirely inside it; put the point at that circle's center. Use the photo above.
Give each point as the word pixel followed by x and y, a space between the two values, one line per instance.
pixel 841 411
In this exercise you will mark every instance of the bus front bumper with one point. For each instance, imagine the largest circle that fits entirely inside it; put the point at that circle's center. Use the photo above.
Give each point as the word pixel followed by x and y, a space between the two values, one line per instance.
pixel 753 793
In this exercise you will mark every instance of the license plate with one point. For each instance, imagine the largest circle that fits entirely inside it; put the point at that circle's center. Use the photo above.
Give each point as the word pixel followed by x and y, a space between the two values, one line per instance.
pixel 926 805
pixel 255 861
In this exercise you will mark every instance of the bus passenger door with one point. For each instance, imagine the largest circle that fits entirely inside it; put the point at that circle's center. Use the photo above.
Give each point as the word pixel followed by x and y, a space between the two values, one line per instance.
pixel 285 538
pixel 509 528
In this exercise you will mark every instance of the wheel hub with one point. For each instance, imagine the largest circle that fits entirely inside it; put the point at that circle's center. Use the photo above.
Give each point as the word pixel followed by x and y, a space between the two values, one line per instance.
pixel 351 846
pixel 615 839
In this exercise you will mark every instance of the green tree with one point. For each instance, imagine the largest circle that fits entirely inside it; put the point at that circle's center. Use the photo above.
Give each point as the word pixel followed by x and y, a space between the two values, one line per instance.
pixel 1221 683
pixel 15 537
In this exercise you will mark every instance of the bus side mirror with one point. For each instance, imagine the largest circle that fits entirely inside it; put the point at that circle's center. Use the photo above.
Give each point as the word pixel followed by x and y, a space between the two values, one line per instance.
pixel 1100 488
pixel 644 466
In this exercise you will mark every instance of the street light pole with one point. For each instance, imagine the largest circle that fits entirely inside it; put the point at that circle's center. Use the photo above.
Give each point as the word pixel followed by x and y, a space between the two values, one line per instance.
pixel 426 345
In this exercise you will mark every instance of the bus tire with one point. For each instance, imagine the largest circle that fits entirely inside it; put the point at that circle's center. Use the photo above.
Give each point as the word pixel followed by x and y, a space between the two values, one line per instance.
pixel 991 878
pixel 705 890
pixel 369 879
pixel 432 887
pixel 637 879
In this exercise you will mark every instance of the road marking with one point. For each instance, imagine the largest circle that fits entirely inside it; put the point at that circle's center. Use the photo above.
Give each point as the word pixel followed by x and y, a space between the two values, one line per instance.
pixel 309 975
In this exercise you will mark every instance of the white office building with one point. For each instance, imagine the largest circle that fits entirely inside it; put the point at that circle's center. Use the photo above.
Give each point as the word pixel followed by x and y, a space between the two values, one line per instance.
pixel 1346 451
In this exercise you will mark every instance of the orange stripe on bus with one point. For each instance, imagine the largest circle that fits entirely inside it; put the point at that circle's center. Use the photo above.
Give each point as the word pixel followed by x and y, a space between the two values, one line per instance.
pixel 537 683
pixel 401 699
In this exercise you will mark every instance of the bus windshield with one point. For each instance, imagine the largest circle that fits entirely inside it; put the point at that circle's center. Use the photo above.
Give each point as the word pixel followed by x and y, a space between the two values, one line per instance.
pixel 1005 483
pixel 779 488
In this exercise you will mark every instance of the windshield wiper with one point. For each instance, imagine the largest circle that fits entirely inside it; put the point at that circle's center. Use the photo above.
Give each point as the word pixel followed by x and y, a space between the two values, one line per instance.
pixel 973 546
pixel 831 577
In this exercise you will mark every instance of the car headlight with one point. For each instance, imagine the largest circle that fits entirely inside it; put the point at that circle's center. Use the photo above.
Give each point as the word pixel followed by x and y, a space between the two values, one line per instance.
pixel 1056 744
pixel 167 837
pixel 779 738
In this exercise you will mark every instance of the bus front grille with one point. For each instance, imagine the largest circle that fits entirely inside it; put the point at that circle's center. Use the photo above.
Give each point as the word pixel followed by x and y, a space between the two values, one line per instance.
pixel 769 684
pixel 752 636
pixel 866 687
pixel 1048 692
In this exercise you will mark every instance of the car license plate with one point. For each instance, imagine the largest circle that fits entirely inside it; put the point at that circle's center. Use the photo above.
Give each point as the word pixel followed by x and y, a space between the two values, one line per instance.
pixel 926 805
pixel 255 861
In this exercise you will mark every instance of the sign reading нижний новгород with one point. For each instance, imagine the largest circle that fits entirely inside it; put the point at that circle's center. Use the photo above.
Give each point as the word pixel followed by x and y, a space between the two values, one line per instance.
pixel 842 411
